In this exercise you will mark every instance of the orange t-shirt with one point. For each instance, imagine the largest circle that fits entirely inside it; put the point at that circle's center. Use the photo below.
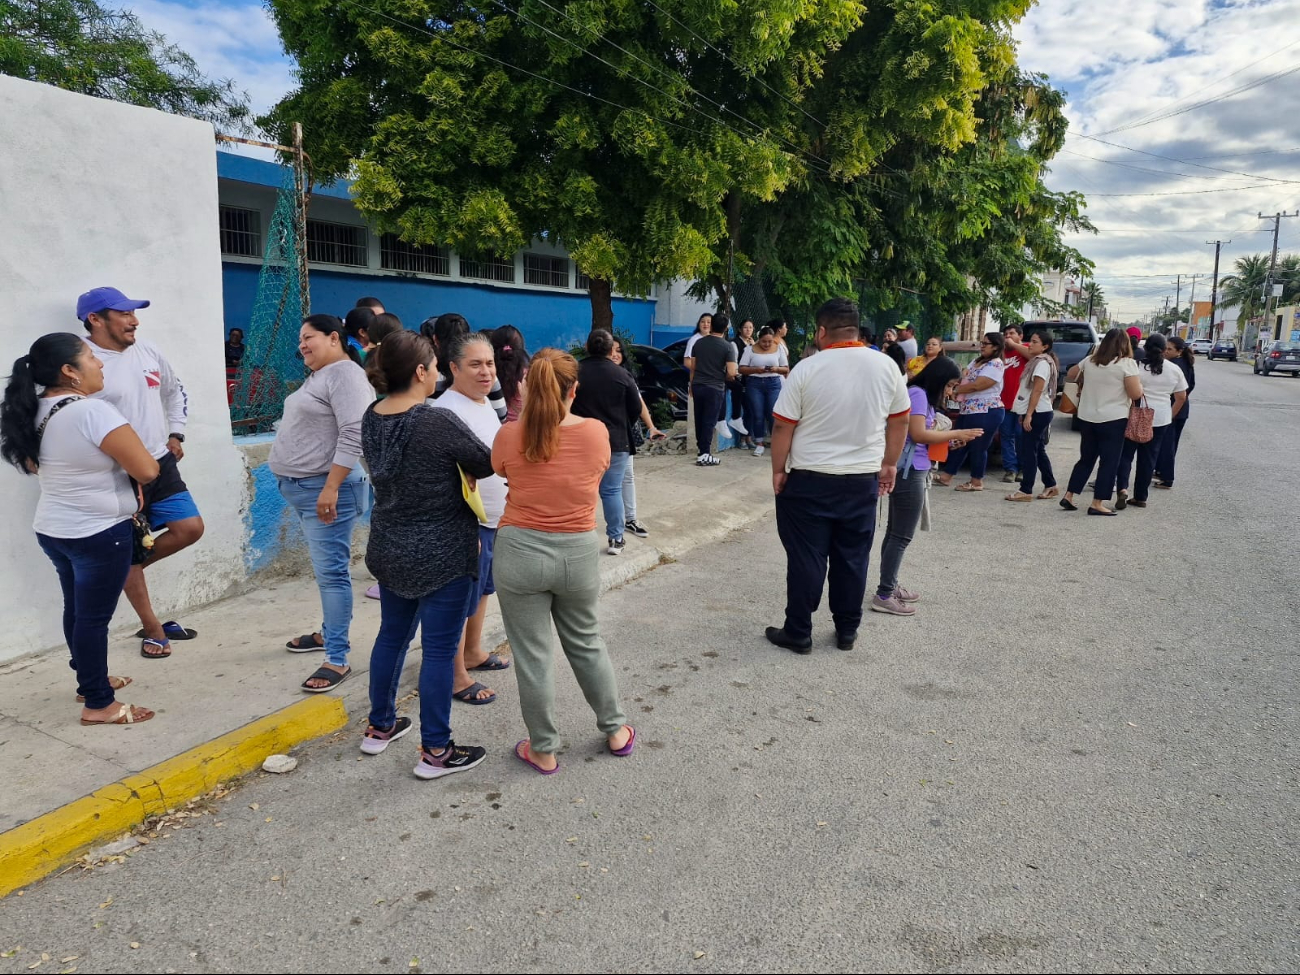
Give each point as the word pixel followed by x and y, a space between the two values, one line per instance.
pixel 559 495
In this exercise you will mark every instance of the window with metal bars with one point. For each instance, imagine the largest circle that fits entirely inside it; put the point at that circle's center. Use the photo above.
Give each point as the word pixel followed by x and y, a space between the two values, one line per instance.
pixel 396 254
pixel 581 280
pixel 491 269
pixel 241 231
pixel 336 243
pixel 552 272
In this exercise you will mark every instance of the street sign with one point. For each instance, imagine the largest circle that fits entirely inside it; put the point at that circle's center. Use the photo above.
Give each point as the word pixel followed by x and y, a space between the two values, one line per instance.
pixel 1277 291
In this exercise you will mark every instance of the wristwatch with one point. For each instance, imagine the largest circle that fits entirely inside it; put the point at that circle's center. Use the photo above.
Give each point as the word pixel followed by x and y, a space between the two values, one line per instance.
pixel 179 437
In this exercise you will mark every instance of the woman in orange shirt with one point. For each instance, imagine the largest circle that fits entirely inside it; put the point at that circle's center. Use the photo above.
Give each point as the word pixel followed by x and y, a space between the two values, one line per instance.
pixel 547 560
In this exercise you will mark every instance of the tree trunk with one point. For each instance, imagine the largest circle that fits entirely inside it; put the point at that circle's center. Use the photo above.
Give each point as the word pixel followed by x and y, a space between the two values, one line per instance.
pixel 602 304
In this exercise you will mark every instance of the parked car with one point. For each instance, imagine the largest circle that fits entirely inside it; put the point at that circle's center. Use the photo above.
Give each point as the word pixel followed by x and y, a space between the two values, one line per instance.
pixel 1278 357
pixel 1071 341
pixel 676 351
pixel 1221 350
pixel 659 378
pixel 1202 346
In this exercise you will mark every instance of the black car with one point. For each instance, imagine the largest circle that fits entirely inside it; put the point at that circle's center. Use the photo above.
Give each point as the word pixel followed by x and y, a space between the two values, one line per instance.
pixel 1071 341
pixel 661 378
pixel 676 350
pixel 1222 350
pixel 1278 357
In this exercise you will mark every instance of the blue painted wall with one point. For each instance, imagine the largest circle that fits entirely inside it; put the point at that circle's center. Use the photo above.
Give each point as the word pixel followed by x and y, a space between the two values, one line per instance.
pixel 545 318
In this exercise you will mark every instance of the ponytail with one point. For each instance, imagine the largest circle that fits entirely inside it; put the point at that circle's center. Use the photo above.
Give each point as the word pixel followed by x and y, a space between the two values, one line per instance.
pixel 551 378
pixel 391 366
pixel 42 366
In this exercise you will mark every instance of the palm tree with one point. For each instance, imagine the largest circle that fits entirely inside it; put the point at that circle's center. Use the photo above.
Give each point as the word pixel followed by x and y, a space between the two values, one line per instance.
pixel 1245 287
pixel 1287 274
pixel 1092 298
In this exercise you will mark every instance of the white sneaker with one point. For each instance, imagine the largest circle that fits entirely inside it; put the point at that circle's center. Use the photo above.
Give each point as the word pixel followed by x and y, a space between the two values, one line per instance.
pixel 723 431
pixel 739 426
pixel 758 451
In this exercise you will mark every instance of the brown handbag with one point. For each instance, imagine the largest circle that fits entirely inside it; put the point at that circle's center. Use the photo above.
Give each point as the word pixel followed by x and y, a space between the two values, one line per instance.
pixel 1141 422
pixel 1070 394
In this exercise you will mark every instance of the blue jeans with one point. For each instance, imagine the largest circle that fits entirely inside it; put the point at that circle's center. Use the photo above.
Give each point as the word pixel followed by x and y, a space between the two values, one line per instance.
pixel 92 572
pixel 1010 433
pixel 441 615
pixel 978 449
pixel 761 393
pixel 330 548
pixel 611 494
pixel 1033 450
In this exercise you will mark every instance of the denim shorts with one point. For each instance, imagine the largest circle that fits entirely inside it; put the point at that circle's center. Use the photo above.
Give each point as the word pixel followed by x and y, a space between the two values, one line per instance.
pixel 487 538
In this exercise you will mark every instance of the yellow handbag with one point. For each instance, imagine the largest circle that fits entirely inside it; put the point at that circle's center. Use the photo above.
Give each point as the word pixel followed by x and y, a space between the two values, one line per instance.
pixel 472 497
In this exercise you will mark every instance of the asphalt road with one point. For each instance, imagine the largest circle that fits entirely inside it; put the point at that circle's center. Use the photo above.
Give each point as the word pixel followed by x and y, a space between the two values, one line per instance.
pixel 1079 756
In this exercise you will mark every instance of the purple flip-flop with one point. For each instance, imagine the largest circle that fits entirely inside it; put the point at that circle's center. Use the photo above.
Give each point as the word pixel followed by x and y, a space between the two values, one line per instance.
pixel 522 755
pixel 626 749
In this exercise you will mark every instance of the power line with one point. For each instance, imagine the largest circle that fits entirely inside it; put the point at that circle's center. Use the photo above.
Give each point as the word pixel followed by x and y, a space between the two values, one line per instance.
pixel 1156 155
pixel 1209 101
pixel 1141 169
pixel 1217 189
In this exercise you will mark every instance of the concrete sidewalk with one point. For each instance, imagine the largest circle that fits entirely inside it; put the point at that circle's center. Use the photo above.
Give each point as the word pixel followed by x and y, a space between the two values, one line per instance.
pixel 219 687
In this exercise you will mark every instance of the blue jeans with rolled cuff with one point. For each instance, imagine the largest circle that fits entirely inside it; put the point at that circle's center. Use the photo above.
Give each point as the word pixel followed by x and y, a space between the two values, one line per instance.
pixel 978 449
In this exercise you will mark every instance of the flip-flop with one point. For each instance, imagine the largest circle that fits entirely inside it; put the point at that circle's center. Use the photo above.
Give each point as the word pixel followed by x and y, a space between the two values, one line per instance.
pixel 493 662
pixel 117 683
pixel 126 714
pixel 1049 493
pixel 163 645
pixel 626 749
pixel 1018 496
pixel 304 644
pixel 324 673
pixel 470 694
pixel 522 753
pixel 968 488
pixel 172 631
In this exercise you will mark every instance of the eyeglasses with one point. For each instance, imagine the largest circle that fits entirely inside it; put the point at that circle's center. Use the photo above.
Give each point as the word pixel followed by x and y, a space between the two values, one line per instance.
pixel 983 344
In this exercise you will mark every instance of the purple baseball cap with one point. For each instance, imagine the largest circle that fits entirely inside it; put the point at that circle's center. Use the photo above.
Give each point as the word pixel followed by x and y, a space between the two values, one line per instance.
pixel 100 299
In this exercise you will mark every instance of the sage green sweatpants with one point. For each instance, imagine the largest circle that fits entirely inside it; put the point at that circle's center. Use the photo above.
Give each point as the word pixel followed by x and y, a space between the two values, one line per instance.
pixel 543 577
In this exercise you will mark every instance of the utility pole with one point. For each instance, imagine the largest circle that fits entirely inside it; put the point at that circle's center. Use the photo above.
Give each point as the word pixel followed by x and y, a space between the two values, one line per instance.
pixel 1272 263
pixel 1214 288
pixel 1178 295
pixel 1191 311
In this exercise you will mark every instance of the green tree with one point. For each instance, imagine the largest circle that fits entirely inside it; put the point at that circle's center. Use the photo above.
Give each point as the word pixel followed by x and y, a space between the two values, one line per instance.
pixel 83 47
pixel 1245 287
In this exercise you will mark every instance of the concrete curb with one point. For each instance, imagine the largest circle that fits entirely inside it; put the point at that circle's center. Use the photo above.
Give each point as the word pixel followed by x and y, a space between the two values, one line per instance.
pixel 42 845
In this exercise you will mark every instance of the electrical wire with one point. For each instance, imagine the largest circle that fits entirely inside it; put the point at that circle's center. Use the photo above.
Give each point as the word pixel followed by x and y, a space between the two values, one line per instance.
pixel 1241 89
pixel 1188 162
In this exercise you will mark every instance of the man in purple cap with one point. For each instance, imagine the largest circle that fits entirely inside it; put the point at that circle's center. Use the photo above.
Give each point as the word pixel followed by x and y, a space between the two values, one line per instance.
pixel 146 390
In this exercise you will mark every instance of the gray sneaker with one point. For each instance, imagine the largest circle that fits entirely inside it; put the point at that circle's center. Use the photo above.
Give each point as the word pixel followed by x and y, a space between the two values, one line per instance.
pixel 893 605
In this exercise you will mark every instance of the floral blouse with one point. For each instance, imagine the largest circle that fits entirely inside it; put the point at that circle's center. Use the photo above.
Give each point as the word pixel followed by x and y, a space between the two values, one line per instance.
pixel 985 399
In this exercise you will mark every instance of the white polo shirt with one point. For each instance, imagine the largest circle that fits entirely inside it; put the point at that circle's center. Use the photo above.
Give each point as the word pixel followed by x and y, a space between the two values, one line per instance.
pixel 839 401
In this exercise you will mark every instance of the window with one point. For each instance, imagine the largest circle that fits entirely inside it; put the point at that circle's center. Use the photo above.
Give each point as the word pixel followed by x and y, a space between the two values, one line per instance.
pixel 241 231
pixel 582 282
pixel 491 269
pixel 553 272
pixel 336 243
pixel 396 254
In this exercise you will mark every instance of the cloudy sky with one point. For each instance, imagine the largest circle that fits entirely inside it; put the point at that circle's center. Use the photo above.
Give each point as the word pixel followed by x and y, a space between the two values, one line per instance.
pixel 1185 121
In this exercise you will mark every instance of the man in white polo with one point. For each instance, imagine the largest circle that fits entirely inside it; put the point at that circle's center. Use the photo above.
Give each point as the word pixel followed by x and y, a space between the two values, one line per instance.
pixel 841 422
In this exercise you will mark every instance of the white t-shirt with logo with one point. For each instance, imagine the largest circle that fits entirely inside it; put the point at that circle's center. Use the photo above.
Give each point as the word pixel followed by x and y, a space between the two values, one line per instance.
pixel 840 400
pixel 83 490
pixel 483 420
pixel 140 382
pixel 1158 390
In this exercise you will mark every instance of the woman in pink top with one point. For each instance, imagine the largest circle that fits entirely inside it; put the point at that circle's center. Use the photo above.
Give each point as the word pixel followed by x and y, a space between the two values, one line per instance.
pixel 547 560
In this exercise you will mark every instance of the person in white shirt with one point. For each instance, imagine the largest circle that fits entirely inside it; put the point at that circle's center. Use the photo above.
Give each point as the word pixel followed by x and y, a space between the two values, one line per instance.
pixel 703 327
pixel 141 384
pixel 1165 387
pixel 1033 411
pixel 764 366
pixel 473 374
pixel 84 454
pixel 907 340
pixel 841 422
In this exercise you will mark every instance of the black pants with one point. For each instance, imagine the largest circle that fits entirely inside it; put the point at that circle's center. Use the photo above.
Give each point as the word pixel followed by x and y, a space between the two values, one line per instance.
pixel 737 389
pixel 709 404
pixel 1146 454
pixel 821 519
pixel 1169 448
pixel 1032 451
pixel 1100 444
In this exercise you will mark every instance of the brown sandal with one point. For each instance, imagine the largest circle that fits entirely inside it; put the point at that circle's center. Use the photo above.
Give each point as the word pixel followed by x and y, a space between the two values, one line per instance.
pixel 968 488
pixel 116 683
pixel 1019 496
pixel 126 714
pixel 1049 493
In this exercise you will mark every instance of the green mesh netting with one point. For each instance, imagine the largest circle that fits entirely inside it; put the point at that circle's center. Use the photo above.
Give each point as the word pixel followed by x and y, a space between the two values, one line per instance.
pixel 272 368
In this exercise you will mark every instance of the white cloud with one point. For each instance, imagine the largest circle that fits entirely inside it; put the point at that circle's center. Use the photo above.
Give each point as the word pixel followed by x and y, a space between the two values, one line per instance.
pixel 1125 63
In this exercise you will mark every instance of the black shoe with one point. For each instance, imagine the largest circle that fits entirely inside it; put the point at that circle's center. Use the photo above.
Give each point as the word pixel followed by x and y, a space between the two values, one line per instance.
pixel 845 641
pixel 634 527
pixel 615 546
pixel 1121 500
pixel 777 635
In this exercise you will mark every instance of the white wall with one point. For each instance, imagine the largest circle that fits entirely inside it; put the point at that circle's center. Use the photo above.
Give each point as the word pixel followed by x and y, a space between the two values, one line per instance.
pixel 676 307
pixel 97 193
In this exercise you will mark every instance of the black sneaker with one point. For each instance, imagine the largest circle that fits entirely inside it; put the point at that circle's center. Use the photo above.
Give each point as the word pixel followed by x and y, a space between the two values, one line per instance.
pixel 845 641
pixel 454 758
pixel 376 739
pixel 637 529
pixel 615 546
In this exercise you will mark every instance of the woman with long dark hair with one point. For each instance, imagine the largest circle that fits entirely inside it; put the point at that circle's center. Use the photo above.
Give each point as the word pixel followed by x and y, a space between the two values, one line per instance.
pixel 1181 355
pixel 316 460
pixel 764 366
pixel 932 350
pixel 927 391
pixel 424 545
pixel 621 357
pixel 512 368
pixel 1033 409
pixel 1165 388
pixel 1108 384
pixel 980 396
pixel 84 454
pixel 548 558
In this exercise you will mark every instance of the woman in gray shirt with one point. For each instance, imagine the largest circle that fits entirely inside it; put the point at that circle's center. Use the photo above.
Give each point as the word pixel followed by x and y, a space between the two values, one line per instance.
pixel 316 459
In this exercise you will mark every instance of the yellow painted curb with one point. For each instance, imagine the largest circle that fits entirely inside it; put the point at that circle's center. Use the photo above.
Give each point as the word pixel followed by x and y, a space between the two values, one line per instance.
pixel 32 850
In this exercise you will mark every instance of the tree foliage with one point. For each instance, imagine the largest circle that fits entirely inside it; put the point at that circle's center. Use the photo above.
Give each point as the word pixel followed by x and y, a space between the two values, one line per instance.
pixel 1244 287
pixel 83 47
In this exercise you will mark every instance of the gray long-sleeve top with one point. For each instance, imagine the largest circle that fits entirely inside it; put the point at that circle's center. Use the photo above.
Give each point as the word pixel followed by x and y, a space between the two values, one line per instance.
pixel 322 422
